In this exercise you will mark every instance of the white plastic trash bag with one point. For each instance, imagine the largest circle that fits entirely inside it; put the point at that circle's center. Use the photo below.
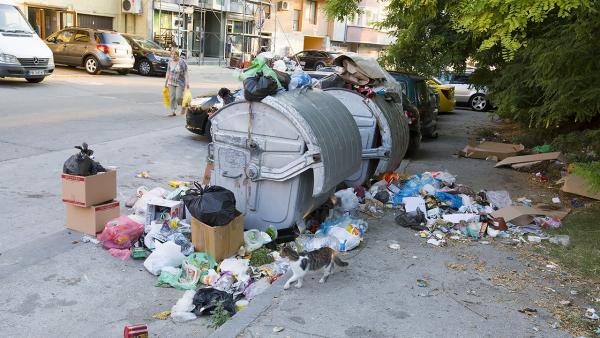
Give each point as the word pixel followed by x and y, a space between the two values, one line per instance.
pixel 165 254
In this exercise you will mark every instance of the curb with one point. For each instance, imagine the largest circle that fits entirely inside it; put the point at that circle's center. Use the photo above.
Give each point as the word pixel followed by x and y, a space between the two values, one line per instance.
pixel 241 320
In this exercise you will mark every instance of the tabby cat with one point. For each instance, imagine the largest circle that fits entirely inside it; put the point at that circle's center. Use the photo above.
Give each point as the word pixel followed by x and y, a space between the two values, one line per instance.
pixel 302 262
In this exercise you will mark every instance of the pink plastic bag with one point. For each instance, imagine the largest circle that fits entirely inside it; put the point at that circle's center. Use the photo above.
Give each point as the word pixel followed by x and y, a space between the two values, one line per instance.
pixel 122 254
pixel 120 233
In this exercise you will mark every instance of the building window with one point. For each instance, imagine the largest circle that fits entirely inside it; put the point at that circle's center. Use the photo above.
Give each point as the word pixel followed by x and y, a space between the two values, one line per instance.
pixel 311 11
pixel 296 20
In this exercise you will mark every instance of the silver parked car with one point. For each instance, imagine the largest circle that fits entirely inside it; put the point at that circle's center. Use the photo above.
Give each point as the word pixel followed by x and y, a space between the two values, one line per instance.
pixel 93 49
pixel 465 93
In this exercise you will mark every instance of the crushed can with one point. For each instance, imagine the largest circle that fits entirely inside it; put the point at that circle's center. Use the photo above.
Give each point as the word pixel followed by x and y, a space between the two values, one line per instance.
pixel 135 331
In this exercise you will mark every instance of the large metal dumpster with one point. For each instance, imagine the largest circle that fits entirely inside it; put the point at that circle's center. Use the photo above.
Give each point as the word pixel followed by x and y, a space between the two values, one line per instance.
pixel 284 156
pixel 383 128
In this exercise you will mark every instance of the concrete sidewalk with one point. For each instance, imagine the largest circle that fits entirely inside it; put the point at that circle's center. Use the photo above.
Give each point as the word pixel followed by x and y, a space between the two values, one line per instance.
pixel 377 294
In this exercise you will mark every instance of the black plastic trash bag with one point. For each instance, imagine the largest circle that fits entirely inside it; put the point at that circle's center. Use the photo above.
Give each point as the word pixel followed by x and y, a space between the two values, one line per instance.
pixel 284 78
pixel 332 81
pixel 207 299
pixel 82 164
pixel 259 86
pixel 213 205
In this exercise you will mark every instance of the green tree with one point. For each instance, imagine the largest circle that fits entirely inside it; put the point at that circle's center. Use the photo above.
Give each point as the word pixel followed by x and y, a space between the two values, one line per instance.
pixel 536 57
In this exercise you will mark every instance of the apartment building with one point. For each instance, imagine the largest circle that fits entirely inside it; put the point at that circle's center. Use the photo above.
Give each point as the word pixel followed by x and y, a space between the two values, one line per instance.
pixel 359 34
pixel 216 28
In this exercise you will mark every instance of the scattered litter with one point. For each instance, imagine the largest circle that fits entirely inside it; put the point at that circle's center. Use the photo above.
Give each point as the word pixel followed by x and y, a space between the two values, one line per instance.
pixel 122 254
pixel 278 329
pixel 422 283
pixel 143 174
pixel 394 246
pixel 565 302
pixel 556 200
pixel 89 239
pixel 534 239
pixel 528 311
pixel 456 267
pixel 563 240
pixel 163 315
pixel 591 314
pixel 574 292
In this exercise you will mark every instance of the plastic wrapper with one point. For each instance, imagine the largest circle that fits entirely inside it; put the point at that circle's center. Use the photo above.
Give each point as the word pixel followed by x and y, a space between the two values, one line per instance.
pixel 348 199
pixel 238 266
pixel 120 233
pixel 311 242
pixel 257 288
pixel 186 246
pixel 412 187
pixel 187 98
pixel 145 195
pixel 165 255
pixel 225 282
pixel 182 310
pixel 122 254
pixel 499 199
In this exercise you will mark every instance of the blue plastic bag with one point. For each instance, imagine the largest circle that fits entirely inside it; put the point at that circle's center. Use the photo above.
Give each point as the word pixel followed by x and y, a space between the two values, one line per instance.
pixel 411 187
pixel 299 80
pixel 454 201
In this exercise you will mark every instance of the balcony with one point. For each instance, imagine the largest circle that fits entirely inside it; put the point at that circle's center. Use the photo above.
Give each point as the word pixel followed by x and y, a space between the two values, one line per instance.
pixel 357 34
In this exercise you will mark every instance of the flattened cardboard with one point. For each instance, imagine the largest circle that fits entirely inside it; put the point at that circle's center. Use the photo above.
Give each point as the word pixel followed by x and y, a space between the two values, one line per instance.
pixel 574 184
pixel 521 215
pixel 528 158
pixel 86 191
pixel 219 242
pixel 156 204
pixel 488 149
pixel 525 165
pixel 91 220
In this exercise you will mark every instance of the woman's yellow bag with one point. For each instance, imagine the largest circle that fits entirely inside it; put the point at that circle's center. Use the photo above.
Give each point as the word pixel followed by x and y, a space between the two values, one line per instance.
pixel 187 98
pixel 166 99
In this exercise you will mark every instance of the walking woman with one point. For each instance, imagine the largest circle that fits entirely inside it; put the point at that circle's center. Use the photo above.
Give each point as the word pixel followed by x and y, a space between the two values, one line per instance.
pixel 177 81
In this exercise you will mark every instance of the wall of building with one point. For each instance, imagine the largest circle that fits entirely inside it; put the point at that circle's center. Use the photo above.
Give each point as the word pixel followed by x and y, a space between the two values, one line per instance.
pixel 134 24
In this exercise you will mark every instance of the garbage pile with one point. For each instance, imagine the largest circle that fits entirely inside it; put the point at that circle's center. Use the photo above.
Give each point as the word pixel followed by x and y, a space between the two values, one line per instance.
pixel 433 204
pixel 172 232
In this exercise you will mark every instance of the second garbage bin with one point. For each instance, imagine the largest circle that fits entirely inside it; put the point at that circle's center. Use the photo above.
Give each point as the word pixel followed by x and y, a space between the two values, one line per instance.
pixel 284 156
pixel 383 129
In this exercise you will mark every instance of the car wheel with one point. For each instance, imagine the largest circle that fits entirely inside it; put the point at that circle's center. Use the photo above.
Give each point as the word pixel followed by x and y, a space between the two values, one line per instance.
pixel 478 102
pixel 123 71
pixel 34 79
pixel 144 68
pixel 91 65
pixel 319 66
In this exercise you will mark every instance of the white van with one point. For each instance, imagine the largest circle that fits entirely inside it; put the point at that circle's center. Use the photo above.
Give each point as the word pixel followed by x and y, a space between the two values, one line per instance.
pixel 22 53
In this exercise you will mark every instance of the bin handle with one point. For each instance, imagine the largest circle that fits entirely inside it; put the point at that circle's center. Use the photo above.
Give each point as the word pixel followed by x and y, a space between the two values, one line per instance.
pixel 228 175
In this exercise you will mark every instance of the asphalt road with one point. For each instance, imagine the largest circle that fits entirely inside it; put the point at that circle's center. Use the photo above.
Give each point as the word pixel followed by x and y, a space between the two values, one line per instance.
pixel 71 106
pixel 54 285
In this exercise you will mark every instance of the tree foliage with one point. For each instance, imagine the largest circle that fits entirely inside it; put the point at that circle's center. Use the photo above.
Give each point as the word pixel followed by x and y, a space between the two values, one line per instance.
pixel 536 57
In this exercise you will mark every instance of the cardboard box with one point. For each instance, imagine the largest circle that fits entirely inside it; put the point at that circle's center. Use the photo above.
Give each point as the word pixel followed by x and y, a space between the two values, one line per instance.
pixel 488 149
pixel 522 215
pixel 156 206
pixel 529 159
pixel 219 242
pixel 577 185
pixel 86 191
pixel 91 220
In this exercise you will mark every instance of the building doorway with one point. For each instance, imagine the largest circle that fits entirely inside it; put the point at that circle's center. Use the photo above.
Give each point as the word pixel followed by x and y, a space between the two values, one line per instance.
pixel 46 20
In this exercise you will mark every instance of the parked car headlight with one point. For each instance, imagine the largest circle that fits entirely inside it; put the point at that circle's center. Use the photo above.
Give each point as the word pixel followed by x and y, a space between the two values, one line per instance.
pixel 51 60
pixel 8 58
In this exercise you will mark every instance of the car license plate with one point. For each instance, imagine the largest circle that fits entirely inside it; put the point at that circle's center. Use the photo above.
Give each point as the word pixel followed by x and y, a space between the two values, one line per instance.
pixel 37 72
pixel 120 51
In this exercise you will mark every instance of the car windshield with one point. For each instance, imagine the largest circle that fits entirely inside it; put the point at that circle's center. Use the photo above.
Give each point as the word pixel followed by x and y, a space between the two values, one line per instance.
pixel 148 44
pixel 12 20
pixel 112 37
